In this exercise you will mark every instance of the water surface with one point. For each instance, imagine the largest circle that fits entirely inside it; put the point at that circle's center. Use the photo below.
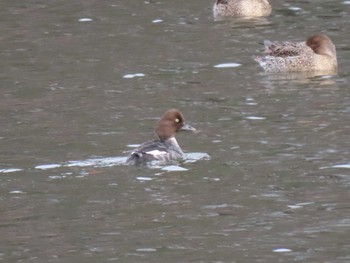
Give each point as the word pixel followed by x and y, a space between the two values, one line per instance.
pixel 82 80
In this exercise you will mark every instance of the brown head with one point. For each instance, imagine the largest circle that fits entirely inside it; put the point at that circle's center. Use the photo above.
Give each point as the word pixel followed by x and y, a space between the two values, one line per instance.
pixel 321 45
pixel 222 2
pixel 170 123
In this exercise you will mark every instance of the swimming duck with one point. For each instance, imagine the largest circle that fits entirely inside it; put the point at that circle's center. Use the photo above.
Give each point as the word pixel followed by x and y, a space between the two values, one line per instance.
pixel 317 53
pixel 241 8
pixel 166 147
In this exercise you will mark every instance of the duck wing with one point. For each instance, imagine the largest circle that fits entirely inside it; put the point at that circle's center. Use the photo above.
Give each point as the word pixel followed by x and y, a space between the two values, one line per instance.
pixel 285 49
pixel 284 64
pixel 149 151
pixel 149 148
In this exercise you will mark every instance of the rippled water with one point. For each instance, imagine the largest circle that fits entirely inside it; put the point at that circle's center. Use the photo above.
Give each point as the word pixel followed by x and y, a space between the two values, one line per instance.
pixel 266 179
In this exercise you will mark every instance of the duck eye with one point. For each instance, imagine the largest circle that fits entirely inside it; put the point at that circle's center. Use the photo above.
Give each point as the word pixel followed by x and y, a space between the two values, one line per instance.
pixel 177 120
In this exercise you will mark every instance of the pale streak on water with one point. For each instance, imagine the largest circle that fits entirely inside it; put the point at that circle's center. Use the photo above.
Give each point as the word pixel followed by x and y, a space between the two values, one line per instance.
pixel 83 81
pixel 113 161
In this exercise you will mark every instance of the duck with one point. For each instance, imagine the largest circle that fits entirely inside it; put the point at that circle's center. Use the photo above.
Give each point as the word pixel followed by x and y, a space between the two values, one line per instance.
pixel 166 147
pixel 317 53
pixel 241 8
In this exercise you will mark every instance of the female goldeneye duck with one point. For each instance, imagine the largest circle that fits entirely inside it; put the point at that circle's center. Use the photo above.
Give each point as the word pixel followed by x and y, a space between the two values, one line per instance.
pixel 241 8
pixel 317 53
pixel 166 147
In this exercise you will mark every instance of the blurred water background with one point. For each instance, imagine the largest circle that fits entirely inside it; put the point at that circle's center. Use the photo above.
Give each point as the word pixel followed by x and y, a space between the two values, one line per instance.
pixel 82 81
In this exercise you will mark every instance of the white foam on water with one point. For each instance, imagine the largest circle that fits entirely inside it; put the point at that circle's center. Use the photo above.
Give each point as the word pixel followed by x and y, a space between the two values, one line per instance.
pixel 173 168
pixel 294 8
pixel 155 21
pixel 53 177
pixel 131 76
pixel 228 65
pixel 17 192
pixel 282 250
pixel 97 162
pixel 305 203
pixel 294 206
pixel 113 161
pixel 93 162
pixel 85 19
pixel 47 166
pixel 299 205
pixel 139 75
pixel 345 166
pixel 133 145
pixel 213 179
pixel 10 170
pixel 255 118
pixel 142 178
pixel 216 206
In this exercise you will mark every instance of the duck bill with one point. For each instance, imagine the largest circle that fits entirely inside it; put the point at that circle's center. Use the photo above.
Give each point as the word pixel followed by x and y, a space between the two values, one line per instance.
pixel 187 127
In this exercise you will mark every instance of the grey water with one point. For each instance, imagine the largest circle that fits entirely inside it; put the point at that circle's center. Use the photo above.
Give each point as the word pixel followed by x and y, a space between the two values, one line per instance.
pixel 268 174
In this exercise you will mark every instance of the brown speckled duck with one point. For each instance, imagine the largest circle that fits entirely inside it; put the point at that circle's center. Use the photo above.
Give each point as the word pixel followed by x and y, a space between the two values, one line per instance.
pixel 241 8
pixel 317 53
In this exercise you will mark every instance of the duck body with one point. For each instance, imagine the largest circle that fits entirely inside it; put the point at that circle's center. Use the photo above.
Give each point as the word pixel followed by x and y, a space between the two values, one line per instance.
pixel 157 150
pixel 166 147
pixel 241 8
pixel 317 53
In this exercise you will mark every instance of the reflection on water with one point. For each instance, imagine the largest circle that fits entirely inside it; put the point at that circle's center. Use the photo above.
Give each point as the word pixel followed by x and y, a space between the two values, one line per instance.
pixel 96 162
pixel 323 78
pixel 320 79
pixel 10 170
pixel 227 65
pixel 345 165
pixel 113 161
pixel 87 78
pixel 242 22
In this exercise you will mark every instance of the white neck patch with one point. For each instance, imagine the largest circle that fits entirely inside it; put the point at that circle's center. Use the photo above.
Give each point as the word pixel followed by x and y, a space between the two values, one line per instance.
pixel 173 141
